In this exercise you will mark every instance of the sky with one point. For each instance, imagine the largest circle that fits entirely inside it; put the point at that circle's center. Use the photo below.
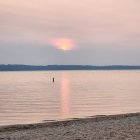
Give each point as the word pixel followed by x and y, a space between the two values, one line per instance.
pixel 83 32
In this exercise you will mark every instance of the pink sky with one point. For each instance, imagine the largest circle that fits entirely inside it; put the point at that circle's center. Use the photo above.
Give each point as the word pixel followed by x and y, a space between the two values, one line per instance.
pixel 98 23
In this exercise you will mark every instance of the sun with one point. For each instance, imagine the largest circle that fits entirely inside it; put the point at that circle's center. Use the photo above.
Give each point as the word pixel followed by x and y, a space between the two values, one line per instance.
pixel 63 44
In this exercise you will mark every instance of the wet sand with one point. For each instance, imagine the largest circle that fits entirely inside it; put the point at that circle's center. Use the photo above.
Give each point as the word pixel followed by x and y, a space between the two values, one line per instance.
pixel 113 127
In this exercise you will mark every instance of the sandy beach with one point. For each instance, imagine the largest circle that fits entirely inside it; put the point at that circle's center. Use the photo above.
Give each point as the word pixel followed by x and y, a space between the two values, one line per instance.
pixel 114 127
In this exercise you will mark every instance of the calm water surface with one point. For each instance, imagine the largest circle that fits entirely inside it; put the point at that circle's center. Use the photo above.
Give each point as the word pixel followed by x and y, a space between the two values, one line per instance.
pixel 30 97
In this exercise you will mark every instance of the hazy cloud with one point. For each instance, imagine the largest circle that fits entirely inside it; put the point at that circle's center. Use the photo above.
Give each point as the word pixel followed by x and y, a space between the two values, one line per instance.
pixel 104 31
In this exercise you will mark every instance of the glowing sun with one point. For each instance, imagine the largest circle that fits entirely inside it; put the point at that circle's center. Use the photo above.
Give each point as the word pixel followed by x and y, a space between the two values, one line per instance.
pixel 63 44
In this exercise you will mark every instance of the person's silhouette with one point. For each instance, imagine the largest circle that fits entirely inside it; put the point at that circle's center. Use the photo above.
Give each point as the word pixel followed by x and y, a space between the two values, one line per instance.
pixel 53 79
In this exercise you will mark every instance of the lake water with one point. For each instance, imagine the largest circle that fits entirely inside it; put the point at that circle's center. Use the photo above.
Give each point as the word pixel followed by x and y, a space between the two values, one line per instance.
pixel 31 97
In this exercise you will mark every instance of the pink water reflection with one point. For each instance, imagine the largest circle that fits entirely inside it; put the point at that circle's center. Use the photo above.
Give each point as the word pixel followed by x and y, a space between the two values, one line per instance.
pixel 65 98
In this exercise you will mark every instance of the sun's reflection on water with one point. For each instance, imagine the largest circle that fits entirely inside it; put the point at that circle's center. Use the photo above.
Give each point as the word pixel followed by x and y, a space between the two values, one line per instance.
pixel 65 90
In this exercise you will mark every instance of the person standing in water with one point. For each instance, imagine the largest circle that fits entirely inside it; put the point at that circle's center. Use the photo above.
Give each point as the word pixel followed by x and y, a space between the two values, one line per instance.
pixel 53 79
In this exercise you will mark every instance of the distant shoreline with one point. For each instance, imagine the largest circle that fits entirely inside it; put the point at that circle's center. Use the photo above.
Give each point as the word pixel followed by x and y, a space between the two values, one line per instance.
pixel 65 67
pixel 97 127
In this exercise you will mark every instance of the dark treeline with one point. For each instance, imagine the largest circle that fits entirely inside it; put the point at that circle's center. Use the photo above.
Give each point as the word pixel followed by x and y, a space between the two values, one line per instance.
pixel 65 67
